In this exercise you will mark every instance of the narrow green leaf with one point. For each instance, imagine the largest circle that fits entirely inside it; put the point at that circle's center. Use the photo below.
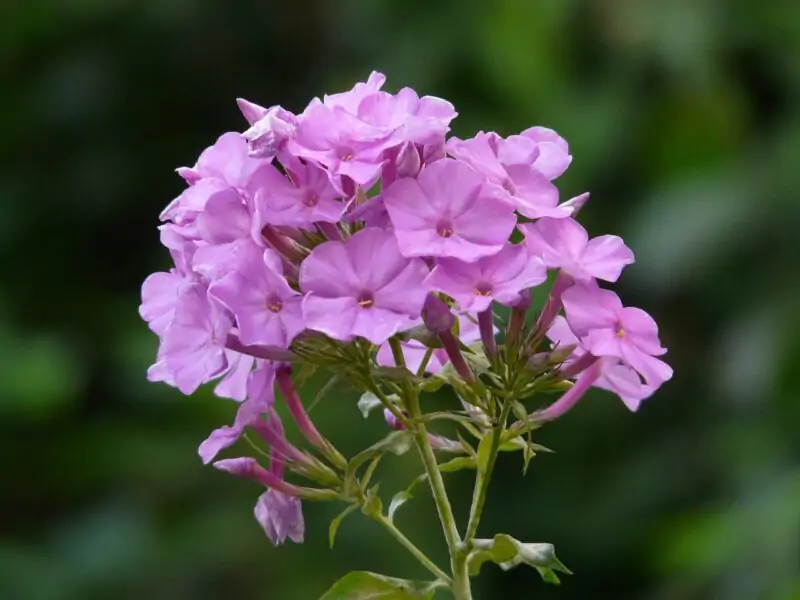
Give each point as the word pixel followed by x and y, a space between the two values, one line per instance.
pixel 485 451
pixel 398 500
pixel 507 552
pixel 369 402
pixel 457 464
pixel 362 585
pixel 329 385
pixel 396 442
pixel 334 526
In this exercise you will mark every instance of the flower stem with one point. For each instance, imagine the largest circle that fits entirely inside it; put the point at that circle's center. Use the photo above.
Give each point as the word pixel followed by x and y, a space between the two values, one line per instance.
pixel 409 545
pixel 460 585
pixel 483 476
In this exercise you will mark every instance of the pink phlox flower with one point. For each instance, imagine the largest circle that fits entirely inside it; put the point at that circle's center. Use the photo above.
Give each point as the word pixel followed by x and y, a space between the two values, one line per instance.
pixel 260 402
pixel 267 310
pixel 269 135
pixel 510 164
pixel 299 200
pixel 564 244
pixel 606 328
pixel 233 384
pixel 281 517
pixel 222 169
pixel 616 376
pixel 193 344
pixel 341 142
pixel 351 99
pixel 362 287
pixel 553 151
pixel 407 117
pixel 501 277
pixel 448 211
pixel 160 294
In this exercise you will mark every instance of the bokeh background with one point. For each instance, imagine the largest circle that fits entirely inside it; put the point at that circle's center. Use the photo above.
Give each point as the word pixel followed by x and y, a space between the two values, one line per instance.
pixel 684 122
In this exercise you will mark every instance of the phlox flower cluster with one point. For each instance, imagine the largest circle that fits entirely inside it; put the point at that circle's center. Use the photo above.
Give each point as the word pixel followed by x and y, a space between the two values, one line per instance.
pixel 358 220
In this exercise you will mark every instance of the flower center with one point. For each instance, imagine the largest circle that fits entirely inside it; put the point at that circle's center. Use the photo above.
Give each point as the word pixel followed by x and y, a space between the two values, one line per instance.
pixel 345 154
pixel 274 304
pixel 620 331
pixel 444 229
pixel 311 199
pixel 509 186
pixel 365 300
pixel 483 289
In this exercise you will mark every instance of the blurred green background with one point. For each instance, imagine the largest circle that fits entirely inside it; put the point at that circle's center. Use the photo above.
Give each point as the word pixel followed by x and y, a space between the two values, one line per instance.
pixel 684 122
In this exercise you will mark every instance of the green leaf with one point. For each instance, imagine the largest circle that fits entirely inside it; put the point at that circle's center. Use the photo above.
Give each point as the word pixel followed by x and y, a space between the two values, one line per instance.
pixel 397 442
pixel 369 402
pixel 373 505
pixel 334 526
pixel 455 464
pixel 508 553
pixel 398 500
pixel 329 385
pixel 432 383
pixel 485 451
pixel 362 585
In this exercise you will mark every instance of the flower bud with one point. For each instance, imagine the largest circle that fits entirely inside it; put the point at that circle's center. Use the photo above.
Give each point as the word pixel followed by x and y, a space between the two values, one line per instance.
pixel 408 161
pixel 436 315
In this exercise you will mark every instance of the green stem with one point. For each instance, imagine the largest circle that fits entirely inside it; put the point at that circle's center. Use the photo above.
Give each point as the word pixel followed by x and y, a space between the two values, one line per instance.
pixel 483 476
pixel 409 545
pixel 424 364
pixel 460 585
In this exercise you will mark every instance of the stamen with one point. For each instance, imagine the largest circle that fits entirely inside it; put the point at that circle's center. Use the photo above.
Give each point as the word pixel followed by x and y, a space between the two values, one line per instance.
pixel 365 300
pixel 444 229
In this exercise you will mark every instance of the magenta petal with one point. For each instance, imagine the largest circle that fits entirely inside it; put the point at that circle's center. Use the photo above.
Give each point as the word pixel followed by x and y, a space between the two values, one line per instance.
pixel 332 316
pixel 234 384
pixel 409 207
pixel 328 271
pixel 224 218
pixel 375 257
pixel 406 292
pixel 160 293
pixel 280 516
pixel 590 308
pixel 654 371
pixel 605 257
pixel 603 342
pixel 642 330
pixel 625 382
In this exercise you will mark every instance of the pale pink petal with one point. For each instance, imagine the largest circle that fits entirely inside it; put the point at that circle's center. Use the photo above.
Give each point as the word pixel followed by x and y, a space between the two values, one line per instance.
pixel 605 257
pixel 332 316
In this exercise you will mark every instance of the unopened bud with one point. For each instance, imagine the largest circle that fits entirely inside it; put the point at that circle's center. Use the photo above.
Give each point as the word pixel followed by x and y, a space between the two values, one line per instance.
pixel 436 315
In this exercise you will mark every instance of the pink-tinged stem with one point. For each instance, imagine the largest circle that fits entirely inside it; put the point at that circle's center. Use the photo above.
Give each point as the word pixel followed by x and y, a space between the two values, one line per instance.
pixel 296 408
pixel 553 305
pixel 330 231
pixel 272 433
pixel 581 364
pixel 571 396
pixel 286 386
pixel 281 244
pixel 517 320
pixel 453 351
pixel 232 342
pixel 248 468
pixel 486 328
